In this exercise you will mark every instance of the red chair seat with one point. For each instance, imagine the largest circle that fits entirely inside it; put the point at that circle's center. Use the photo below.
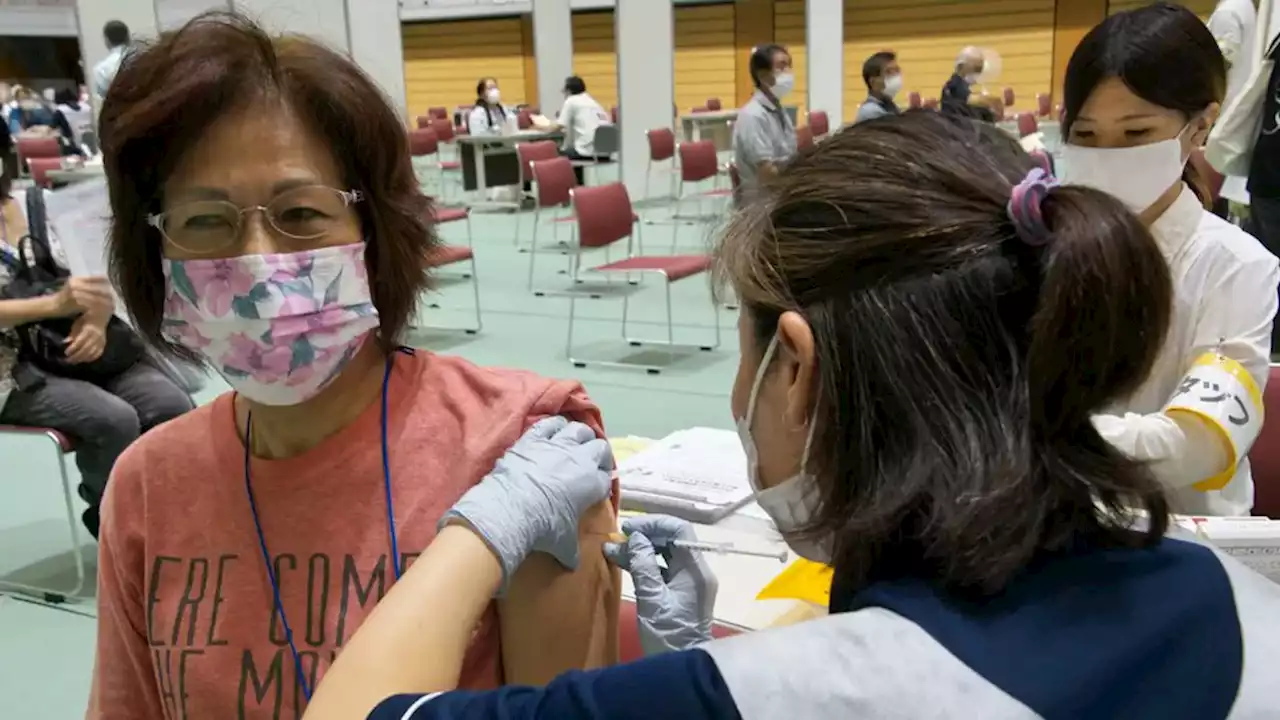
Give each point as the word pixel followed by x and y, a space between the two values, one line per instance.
pixel 448 215
pixel 718 192
pixel 448 255
pixel 64 442
pixel 675 267
pixel 450 165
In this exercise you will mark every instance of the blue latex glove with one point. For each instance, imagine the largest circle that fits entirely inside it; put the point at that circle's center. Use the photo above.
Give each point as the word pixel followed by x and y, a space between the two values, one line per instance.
pixel 534 496
pixel 674 606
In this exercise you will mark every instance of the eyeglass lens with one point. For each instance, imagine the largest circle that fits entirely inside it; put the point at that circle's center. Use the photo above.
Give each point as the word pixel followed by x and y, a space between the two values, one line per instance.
pixel 304 213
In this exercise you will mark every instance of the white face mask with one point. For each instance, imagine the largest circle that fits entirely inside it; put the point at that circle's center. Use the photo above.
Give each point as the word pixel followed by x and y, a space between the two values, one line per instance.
pixel 893 85
pixel 792 502
pixel 1136 176
pixel 491 96
pixel 783 85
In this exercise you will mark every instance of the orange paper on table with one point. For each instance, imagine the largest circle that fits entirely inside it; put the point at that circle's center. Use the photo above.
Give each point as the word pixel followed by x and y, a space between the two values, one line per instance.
pixel 801 580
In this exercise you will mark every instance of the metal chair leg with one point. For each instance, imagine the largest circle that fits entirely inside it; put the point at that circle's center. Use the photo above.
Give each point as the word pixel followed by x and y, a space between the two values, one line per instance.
pixel 475 289
pixel 53 595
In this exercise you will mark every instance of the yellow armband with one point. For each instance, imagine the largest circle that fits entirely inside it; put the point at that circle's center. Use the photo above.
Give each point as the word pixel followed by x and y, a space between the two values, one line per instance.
pixel 1220 393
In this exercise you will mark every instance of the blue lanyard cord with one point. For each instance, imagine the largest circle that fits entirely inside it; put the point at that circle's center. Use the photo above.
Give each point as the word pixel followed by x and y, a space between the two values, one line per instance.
pixel 262 538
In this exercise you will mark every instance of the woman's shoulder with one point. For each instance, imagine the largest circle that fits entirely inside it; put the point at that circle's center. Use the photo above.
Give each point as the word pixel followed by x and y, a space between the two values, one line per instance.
pixel 460 380
pixel 181 443
pixel 1233 245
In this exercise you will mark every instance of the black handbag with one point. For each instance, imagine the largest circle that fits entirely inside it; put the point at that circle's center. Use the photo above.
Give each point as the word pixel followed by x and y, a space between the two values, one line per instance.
pixel 44 342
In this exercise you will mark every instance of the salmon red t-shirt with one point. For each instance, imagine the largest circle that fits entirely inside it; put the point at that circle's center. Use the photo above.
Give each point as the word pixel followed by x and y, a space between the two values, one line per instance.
pixel 186 623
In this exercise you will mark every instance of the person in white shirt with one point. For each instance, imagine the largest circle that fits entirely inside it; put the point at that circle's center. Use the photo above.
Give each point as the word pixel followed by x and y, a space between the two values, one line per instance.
pixel 1133 138
pixel 579 117
pixel 1234 24
pixel 489 116
pixel 116 35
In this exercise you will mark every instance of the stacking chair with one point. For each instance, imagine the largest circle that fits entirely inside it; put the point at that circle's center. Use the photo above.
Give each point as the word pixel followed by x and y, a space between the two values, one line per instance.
pixel 913 100
pixel 425 143
pixel 1264 459
pixel 1027 124
pixel 62 447
pixel 713 104
pixel 554 183
pixel 606 144
pixel 699 109
pixel 445 134
pixel 40 168
pixel 30 148
pixel 524 119
pixel 698 163
pixel 1008 97
pixel 662 147
pixel 930 104
pixel 1044 105
pixel 438 113
pixel 527 154
pixel 446 255
pixel 819 124
pixel 804 138
pixel 613 114
pixel 604 218
pixel 424 121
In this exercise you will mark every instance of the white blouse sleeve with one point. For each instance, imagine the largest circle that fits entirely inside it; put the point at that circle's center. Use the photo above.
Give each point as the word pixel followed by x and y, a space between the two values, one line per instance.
pixel 1235 318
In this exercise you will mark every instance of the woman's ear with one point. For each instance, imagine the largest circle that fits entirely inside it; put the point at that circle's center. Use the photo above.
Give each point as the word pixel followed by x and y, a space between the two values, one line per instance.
pixel 1208 118
pixel 800 372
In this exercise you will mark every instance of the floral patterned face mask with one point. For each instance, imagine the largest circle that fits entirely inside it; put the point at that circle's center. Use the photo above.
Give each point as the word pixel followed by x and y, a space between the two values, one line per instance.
pixel 279 327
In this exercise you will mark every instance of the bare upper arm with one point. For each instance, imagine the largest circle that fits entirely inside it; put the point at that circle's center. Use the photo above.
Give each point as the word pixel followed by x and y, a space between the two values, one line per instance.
pixel 553 620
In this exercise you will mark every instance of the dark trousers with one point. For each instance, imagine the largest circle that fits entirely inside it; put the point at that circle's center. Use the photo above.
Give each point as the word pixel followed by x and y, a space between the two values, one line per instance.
pixel 578 171
pixel 101 420
pixel 1264 224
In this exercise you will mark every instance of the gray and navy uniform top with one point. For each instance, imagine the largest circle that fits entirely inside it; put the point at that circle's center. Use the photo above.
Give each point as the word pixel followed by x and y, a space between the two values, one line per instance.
pixel 1177 631
pixel 763 132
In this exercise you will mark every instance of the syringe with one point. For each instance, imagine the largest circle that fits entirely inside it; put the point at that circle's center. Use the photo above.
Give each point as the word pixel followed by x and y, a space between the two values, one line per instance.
pixel 728 548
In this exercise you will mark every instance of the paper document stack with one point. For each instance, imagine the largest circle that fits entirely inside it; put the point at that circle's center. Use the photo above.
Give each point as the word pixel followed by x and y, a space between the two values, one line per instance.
pixel 699 474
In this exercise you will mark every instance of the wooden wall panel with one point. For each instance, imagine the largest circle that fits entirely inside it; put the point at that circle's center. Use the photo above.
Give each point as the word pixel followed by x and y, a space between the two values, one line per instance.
pixel 443 60
pixel 1072 21
pixel 753 25
pixel 530 60
pixel 788 30
pixel 595 58
pixel 705 64
pixel 927 35
pixel 1203 8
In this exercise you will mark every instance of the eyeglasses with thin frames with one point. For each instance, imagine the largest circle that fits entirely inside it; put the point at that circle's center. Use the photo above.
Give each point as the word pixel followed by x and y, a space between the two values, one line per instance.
pixel 207 227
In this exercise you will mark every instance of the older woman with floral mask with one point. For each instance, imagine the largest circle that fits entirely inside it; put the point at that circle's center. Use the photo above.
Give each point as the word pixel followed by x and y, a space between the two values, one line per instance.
pixel 266 221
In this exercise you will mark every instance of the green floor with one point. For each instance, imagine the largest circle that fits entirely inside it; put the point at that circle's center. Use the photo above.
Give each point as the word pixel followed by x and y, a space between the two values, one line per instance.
pixel 46 654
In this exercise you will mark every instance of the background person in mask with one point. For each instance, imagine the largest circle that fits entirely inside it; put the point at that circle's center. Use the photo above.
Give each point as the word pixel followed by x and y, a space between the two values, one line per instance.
pixel 924 342
pixel 266 221
pixel 884 81
pixel 489 115
pixel 957 93
pixel 1142 91
pixel 763 135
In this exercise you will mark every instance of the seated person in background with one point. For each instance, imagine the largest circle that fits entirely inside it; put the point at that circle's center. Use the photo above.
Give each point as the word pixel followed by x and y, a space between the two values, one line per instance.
pixel 579 117
pixel 29 116
pixel 957 94
pixel 323 475
pixel 489 116
pixel 102 417
pixel 884 80
pixel 71 118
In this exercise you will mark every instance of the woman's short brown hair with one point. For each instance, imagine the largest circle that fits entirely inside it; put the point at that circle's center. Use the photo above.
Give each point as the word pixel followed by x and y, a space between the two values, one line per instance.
pixel 167 95
pixel 958 365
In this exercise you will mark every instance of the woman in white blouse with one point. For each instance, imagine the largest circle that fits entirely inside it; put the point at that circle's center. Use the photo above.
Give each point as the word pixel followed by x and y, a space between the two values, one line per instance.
pixel 1142 91
pixel 489 115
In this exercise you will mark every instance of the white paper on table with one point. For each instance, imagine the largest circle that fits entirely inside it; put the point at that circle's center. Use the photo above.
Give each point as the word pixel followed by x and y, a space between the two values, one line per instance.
pixel 699 465
pixel 80 215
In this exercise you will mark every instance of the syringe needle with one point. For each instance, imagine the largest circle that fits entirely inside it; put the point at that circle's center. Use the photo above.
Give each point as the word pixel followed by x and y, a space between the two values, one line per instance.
pixel 729 549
